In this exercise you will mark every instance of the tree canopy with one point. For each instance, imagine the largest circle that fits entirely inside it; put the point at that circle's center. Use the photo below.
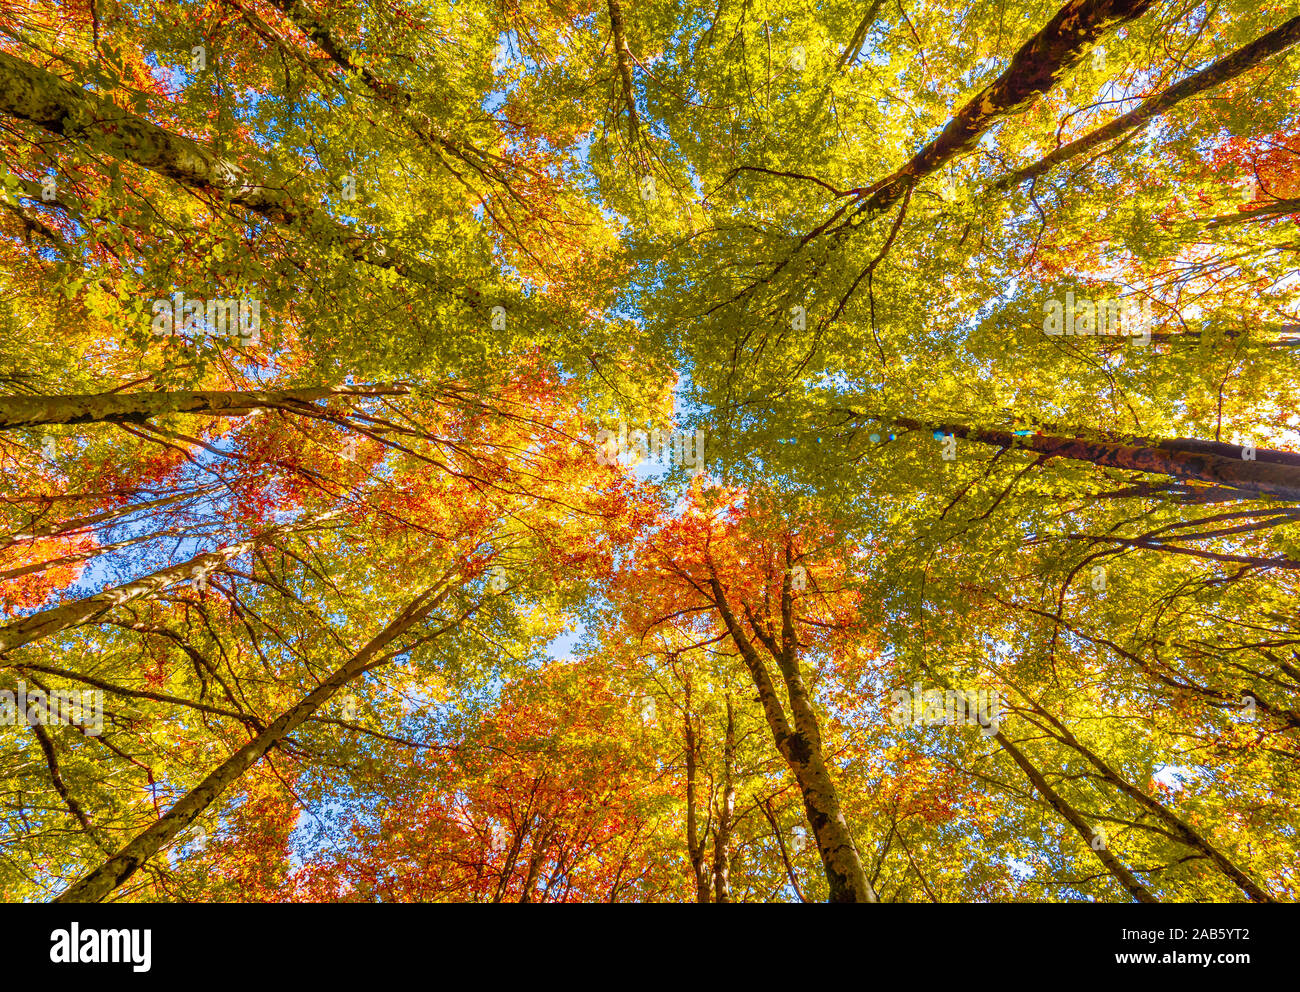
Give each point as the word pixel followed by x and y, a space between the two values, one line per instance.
pixel 594 451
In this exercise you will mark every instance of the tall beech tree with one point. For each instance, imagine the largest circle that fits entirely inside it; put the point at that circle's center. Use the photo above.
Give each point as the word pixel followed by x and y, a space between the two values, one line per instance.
pixel 700 566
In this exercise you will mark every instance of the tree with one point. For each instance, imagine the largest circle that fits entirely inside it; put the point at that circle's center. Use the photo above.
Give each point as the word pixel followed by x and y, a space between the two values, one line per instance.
pixel 699 567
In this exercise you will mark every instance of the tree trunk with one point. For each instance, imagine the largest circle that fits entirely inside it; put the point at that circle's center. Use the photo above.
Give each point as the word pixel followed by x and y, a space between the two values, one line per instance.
pixel 854 47
pixel 1113 865
pixel 801 749
pixel 623 58
pixel 32 94
pixel 57 618
pixel 694 843
pixel 19 412
pixel 393 95
pixel 725 813
pixel 35 529
pixel 117 869
pixel 1220 72
pixel 1270 473
pixel 1185 832
pixel 1035 68
pixel 541 840
pixel 79 556
pixel 50 102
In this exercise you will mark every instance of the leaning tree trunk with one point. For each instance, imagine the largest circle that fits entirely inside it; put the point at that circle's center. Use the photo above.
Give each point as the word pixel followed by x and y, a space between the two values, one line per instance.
pixel 1268 473
pixel 30 93
pixel 117 869
pixel 41 625
pixel 35 529
pixel 1112 864
pixel 1228 67
pixel 694 843
pixel 800 746
pixel 1178 827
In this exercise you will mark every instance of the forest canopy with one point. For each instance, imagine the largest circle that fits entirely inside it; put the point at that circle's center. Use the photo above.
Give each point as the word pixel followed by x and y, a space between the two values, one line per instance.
pixel 560 451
